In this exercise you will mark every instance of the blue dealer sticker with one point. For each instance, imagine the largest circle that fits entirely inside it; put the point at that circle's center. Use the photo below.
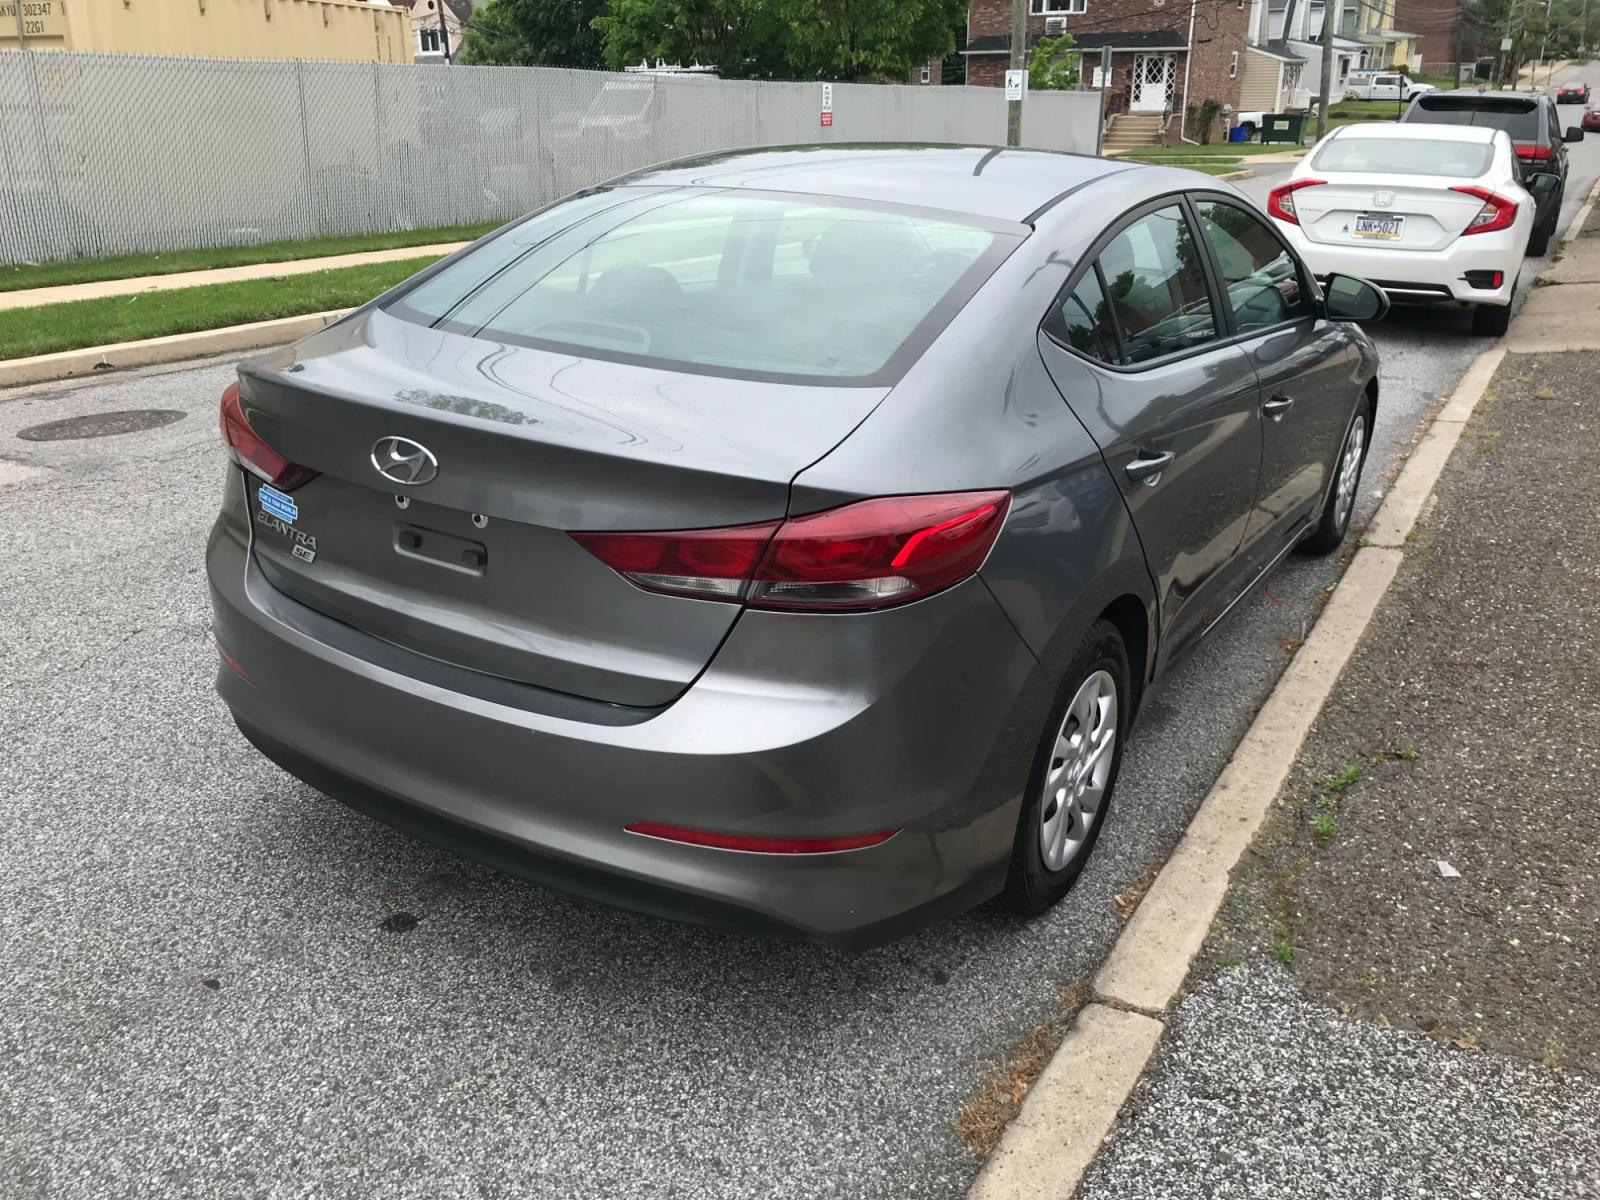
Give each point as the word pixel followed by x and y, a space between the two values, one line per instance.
pixel 279 505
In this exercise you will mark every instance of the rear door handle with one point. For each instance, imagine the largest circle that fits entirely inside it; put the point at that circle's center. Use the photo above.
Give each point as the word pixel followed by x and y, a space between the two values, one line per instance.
pixel 1277 406
pixel 1147 468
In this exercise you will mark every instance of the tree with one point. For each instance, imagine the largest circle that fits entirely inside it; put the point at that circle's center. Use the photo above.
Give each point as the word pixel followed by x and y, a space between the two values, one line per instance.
pixel 789 39
pixel 534 33
pixel 1052 68
pixel 738 37
pixel 866 39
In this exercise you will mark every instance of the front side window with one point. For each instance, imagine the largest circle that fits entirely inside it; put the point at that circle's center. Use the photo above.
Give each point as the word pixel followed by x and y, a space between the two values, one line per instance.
pixel 1156 286
pixel 738 283
pixel 1259 275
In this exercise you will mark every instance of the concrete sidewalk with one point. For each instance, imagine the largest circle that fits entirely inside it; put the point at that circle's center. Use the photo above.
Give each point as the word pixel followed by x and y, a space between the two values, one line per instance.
pixel 30 297
pixel 1398 998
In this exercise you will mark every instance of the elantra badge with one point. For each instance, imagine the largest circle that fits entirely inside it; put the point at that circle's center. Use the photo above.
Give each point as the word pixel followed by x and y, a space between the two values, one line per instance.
pixel 400 460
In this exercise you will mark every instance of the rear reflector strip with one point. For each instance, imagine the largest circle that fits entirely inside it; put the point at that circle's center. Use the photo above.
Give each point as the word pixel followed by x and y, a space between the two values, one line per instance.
pixel 234 663
pixel 759 845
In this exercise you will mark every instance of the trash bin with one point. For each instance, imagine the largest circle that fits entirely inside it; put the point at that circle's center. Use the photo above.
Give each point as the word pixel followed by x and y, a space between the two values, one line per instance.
pixel 1283 127
pixel 1238 134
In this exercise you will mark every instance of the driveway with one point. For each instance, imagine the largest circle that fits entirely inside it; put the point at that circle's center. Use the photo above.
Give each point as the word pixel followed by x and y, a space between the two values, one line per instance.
pixel 218 982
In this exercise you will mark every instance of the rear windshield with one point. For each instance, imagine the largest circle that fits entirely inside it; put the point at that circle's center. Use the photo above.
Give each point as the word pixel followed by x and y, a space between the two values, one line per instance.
pixel 758 285
pixel 1519 118
pixel 1405 156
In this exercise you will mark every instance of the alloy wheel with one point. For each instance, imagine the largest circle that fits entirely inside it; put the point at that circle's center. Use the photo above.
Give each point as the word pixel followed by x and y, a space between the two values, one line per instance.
pixel 1080 768
pixel 1344 493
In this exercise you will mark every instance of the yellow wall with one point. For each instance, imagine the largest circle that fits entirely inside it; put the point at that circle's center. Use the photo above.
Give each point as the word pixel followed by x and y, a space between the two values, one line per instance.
pixel 1258 85
pixel 312 29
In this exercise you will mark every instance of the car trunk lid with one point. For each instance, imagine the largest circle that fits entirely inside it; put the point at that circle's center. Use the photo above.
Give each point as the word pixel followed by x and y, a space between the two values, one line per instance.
pixel 475 566
pixel 1377 213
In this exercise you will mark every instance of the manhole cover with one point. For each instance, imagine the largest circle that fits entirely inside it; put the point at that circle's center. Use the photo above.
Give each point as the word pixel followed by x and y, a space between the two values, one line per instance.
pixel 101 424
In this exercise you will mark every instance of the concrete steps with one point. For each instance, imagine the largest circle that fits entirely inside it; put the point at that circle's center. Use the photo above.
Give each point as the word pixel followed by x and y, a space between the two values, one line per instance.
pixel 1131 131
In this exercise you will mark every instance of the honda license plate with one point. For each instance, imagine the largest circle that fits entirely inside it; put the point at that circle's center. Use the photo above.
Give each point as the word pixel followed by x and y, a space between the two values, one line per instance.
pixel 1386 228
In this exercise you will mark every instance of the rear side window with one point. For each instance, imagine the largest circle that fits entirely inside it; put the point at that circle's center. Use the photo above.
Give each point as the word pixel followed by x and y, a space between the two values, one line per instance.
pixel 1259 275
pixel 757 285
pixel 1156 286
pixel 1519 118
pixel 1405 156
pixel 1085 320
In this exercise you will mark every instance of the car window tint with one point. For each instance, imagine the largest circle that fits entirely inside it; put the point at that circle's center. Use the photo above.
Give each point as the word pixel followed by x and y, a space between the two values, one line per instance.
pixel 1260 276
pixel 1157 286
pixel 1519 118
pixel 739 282
pixel 1086 320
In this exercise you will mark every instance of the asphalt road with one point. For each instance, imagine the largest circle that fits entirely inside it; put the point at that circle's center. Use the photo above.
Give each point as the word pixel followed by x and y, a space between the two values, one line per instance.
pixel 202 988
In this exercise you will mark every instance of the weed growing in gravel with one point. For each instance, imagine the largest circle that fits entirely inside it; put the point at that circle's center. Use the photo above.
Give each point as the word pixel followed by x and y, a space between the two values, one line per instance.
pixel 1284 952
pixel 1340 780
pixel 1407 754
pixel 1545 393
pixel 1325 825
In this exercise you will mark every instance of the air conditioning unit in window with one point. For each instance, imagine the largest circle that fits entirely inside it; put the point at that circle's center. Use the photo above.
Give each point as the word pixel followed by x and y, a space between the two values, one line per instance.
pixel 1055 26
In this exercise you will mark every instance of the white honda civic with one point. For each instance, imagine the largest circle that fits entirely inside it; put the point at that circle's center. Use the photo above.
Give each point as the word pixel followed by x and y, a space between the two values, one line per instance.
pixel 1429 213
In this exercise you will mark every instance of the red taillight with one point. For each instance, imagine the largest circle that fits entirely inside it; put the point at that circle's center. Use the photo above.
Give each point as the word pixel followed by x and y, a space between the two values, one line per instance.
pixel 1497 211
pixel 759 845
pixel 250 450
pixel 863 556
pixel 1280 200
pixel 1533 151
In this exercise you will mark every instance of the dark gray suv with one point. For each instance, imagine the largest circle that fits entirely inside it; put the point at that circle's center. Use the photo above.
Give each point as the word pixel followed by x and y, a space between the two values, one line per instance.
pixel 784 538
pixel 1534 126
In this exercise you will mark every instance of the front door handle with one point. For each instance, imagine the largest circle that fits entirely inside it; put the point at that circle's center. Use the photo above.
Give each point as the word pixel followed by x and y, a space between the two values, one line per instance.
pixel 1147 468
pixel 1277 406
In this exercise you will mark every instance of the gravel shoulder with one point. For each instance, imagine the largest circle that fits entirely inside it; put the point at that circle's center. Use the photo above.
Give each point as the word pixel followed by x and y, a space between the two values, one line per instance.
pixel 1363 1020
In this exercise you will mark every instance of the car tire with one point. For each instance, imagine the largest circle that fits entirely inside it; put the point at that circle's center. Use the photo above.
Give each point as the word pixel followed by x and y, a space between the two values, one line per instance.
pixel 1340 503
pixel 1492 320
pixel 1539 239
pixel 1073 775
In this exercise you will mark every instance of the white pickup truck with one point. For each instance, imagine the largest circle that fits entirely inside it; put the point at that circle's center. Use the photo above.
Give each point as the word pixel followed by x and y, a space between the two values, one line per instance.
pixel 1383 85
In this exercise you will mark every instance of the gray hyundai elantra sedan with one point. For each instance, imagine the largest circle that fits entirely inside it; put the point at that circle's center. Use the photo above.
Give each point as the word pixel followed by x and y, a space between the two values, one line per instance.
pixel 787 538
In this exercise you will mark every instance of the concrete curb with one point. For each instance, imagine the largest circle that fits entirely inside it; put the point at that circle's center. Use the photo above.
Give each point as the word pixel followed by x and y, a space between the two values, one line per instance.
pixel 43 368
pixel 1236 176
pixel 1068 1113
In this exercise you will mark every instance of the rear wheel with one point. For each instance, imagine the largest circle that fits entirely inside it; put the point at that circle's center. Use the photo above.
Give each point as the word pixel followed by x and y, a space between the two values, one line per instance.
pixel 1074 772
pixel 1329 533
pixel 1539 239
pixel 1492 320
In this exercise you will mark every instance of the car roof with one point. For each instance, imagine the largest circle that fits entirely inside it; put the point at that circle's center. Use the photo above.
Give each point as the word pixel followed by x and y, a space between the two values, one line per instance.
pixel 980 181
pixel 1380 131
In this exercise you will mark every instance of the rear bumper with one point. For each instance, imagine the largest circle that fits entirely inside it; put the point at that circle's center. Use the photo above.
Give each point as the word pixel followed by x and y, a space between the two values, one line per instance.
pixel 1424 276
pixel 913 719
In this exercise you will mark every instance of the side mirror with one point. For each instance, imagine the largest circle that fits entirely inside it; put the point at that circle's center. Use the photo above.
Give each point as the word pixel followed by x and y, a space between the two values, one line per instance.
pixel 1346 298
pixel 1543 184
pixel 1573 134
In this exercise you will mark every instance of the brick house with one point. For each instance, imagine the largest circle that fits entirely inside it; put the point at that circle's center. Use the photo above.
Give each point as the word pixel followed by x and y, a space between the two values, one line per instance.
pixel 1166 55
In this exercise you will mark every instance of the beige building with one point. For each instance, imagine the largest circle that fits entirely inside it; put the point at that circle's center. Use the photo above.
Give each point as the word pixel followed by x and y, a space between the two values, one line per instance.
pixel 352 30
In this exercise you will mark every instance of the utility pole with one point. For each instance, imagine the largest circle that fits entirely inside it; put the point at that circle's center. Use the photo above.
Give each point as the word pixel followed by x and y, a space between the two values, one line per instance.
pixel 22 32
pixel 1325 82
pixel 444 34
pixel 1019 61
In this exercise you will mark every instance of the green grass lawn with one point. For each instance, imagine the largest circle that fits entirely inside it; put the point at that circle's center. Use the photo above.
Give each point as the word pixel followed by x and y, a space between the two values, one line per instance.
pixel 48 328
pixel 1228 150
pixel 1209 166
pixel 130 266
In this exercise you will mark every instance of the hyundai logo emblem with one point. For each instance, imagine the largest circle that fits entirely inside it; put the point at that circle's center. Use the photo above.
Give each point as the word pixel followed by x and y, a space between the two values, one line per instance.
pixel 400 460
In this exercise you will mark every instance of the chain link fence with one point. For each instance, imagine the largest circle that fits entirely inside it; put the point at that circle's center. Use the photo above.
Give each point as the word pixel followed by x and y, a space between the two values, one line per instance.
pixel 109 154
